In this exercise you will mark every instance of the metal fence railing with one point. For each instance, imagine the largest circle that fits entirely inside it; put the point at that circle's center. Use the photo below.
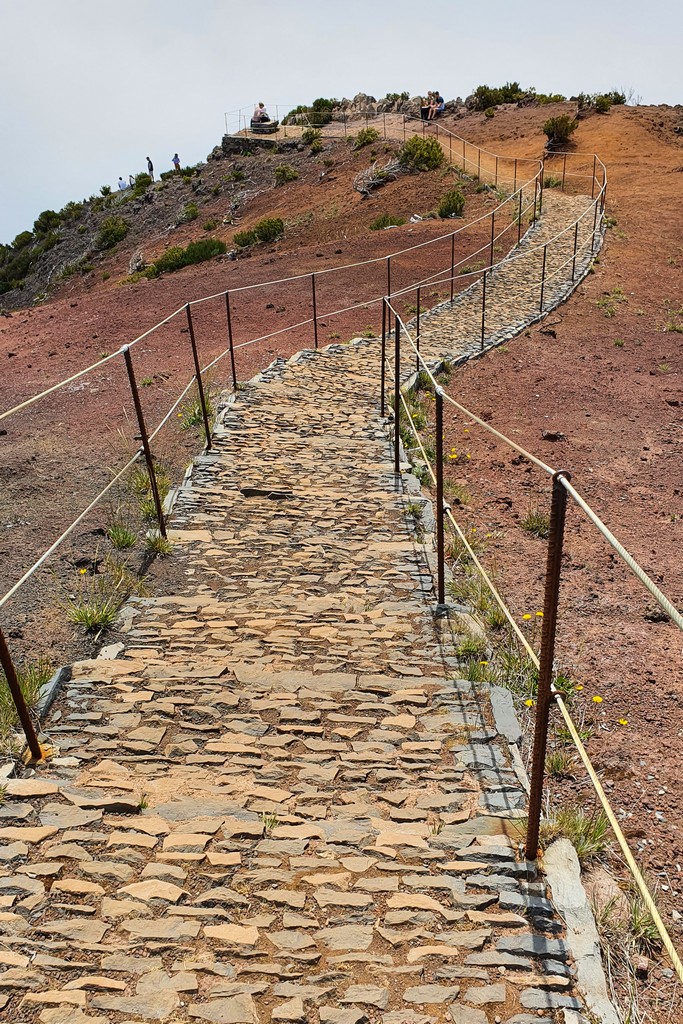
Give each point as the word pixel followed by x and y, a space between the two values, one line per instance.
pixel 561 490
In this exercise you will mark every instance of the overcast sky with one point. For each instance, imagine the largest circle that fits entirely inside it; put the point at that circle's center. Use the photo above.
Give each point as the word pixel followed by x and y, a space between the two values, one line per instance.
pixel 88 90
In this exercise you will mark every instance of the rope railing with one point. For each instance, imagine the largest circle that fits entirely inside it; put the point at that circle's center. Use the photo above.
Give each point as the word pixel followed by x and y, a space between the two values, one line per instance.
pixel 544 663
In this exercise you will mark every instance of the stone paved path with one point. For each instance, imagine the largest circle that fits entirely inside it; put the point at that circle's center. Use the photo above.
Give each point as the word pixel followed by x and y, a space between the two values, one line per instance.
pixel 275 800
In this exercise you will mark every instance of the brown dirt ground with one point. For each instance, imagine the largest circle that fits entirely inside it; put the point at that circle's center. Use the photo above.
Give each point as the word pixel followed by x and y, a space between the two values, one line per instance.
pixel 618 405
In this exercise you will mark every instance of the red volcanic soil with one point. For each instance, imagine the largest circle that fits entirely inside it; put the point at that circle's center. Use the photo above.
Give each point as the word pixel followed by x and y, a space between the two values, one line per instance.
pixel 610 384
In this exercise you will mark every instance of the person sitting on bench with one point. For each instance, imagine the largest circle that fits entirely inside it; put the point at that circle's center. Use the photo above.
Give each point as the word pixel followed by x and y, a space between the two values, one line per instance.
pixel 260 115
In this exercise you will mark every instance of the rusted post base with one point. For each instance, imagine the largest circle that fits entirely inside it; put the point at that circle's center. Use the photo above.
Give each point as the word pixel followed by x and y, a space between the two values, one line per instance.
pixel 37 753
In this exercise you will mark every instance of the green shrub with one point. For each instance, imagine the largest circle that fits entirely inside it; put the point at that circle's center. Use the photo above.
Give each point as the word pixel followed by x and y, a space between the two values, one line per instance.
pixel 310 135
pixel 365 137
pixel 316 147
pixel 420 154
pixel 617 98
pixel 210 224
pixel 386 220
pixel 452 204
pixel 561 128
pixel 46 222
pixel 552 97
pixel 486 97
pixel 236 176
pixel 489 112
pixel 244 238
pixel 550 181
pixel 268 229
pixel 190 212
pixel 113 230
pixel 105 190
pixel 176 257
pixel 603 104
pixel 285 173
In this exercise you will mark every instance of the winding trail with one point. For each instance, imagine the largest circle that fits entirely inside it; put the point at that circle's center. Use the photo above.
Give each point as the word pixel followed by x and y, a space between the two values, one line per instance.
pixel 275 798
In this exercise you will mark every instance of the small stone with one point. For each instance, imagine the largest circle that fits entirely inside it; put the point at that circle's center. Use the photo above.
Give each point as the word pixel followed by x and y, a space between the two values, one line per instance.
pixel 292 1011
pixel 346 937
pixel 482 994
pixel 154 889
pixel 431 994
pixel 370 995
pixel 150 1005
pixel 233 934
pixel 238 1009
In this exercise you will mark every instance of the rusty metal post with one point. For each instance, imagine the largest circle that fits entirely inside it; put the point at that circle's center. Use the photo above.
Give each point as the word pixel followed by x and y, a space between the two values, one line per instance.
pixel 440 574
pixel 230 341
pixel 558 510
pixel 593 180
pixel 535 195
pixel 397 394
pixel 417 332
pixel 315 313
pixel 595 220
pixel 464 161
pixel 519 216
pixel 540 197
pixel 450 148
pixel 18 700
pixel 576 239
pixel 382 368
pixel 496 181
pixel 483 310
pixel 514 185
pixel 384 118
pixel 564 170
pixel 478 164
pixel 404 127
pixel 145 441
pixel 545 253
pixel 493 228
pixel 198 377
pixel 389 277
pixel 452 264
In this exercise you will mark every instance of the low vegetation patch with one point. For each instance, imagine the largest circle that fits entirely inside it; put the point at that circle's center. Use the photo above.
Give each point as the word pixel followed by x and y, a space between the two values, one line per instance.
pixel 452 204
pixel 560 129
pixel 386 220
pixel 177 257
pixel 285 173
pixel 32 677
pixel 365 137
pixel 267 230
pixel 112 231
pixel 418 154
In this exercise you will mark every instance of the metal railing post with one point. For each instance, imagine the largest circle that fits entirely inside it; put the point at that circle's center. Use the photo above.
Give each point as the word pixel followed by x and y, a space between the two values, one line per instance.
pixel 450 148
pixel 417 330
pixel 535 195
pixel 514 185
pixel 384 117
pixel 545 253
pixel 397 395
pixel 145 441
pixel 315 312
pixel 440 574
pixel 593 181
pixel 558 510
pixel 564 170
pixel 18 700
pixel 464 161
pixel 230 341
pixel 493 228
pixel 519 216
pixel 478 164
pixel 452 264
pixel 595 220
pixel 483 310
pixel 388 276
pixel 382 369
pixel 198 377
pixel 496 181
pixel 576 239
pixel 404 127
pixel 540 197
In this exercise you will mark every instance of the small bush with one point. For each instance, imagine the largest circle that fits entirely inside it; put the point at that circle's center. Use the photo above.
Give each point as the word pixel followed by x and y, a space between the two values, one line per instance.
pixel 121 536
pixel 549 181
pixel 561 128
pixel 236 176
pixel 210 224
pixel 316 147
pixel 418 154
pixel 603 104
pixel 310 135
pixel 190 212
pixel 244 238
pixel 537 523
pixel 386 220
pixel 105 190
pixel 285 173
pixel 176 257
pixel 365 137
pixel 489 112
pixel 269 229
pixel 113 230
pixel 452 204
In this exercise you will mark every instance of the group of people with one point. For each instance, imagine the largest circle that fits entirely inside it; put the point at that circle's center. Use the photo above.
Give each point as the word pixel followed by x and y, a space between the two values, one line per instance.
pixel 123 184
pixel 260 115
pixel 433 106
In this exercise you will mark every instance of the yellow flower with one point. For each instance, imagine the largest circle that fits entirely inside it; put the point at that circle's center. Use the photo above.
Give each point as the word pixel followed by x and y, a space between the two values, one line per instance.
pixel 527 616
pixel 82 571
pixel 623 721
pixel 483 662
pixel 466 431
pixel 469 456
pixel 529 703
pixel 540 614
pixel 180 415
pixel 580 686
pixel 596 699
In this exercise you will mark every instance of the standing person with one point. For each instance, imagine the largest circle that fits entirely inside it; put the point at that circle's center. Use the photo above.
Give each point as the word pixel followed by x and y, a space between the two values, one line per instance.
pixel 176 163
pixel 150 168
pixel 131 180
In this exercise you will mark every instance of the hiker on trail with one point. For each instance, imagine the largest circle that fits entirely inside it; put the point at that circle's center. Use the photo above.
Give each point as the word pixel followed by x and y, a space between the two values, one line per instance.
pixel 260 113
pixel 131 180
pixel 123 185
pixel 176 163
pixel 150 168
